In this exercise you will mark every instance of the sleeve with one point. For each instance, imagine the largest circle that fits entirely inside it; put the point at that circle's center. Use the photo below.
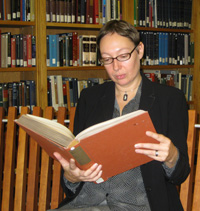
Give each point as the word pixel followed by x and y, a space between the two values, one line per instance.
pixel 177 132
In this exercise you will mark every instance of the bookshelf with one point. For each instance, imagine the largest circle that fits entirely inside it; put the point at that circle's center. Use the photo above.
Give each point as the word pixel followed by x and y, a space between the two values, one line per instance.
pixel 40 28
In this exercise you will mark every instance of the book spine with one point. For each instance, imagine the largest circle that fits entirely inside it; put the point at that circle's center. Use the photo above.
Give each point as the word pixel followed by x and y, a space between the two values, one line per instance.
pixel 10 94
pixel 5 97
pixel 73 11
pixel 92 50
pixel 32 10
pixel 33 47
pixel 16 95
pixel 48 10
pixel 83 11
pixel 13 10
pixel 52 50
pixel 96 11
pixel 21 61
pixel 18 13
pixel 32 95
pixel 13 52
pixel 61 10
pixel 9 49
pixel 78 11
pixel 24 51
pixel 4 50
pixel 74 48
pixel 85 51
pixel 28 11
pixel 52 8
pixel 29 50
pixel 8 10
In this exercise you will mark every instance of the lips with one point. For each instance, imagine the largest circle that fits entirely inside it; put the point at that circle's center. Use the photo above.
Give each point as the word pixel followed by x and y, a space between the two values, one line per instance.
pixel 119 77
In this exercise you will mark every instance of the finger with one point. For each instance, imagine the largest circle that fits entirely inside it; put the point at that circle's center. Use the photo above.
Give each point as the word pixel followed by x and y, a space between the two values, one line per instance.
pixel 92 171
pixel 97 177
pixel 64 163
pixel 156 136
pixel 72 164
pixel 148 146
pixel 160 155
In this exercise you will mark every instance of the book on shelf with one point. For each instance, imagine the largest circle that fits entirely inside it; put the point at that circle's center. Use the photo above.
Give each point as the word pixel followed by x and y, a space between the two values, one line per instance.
pixel 33 50
pixel 110 143
pixel 24 51
pixel 92 50
pixel 53 50
pixel 52 10
pixel 13 52
pixel 78 11
pixel 4 50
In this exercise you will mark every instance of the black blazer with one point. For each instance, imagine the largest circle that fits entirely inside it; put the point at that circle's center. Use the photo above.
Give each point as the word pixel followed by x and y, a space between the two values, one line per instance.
pixel 168 110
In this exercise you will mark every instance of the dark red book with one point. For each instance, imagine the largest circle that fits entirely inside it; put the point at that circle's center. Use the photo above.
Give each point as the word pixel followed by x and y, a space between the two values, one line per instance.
pixel 96 11
pixel 13 52
pixel 74 48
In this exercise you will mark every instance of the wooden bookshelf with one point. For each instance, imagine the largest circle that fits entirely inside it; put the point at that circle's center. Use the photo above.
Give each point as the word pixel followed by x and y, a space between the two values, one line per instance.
pixel 41 28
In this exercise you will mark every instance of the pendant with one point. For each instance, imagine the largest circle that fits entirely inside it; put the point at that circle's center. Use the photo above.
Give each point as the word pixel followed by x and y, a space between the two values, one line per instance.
pixel 125 97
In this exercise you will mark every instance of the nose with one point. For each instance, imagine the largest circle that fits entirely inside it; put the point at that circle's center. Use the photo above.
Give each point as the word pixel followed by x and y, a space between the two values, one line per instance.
pixel 116 64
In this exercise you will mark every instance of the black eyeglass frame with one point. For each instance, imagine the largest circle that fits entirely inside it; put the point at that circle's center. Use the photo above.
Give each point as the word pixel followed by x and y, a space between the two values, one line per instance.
pixel 117 57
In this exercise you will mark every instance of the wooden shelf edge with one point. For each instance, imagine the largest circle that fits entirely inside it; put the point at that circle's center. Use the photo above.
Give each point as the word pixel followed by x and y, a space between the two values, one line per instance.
pixel 157 67
pixel 17 23
pixel 74 68
pixel 18 69
pixel 73 25
pixel 164 29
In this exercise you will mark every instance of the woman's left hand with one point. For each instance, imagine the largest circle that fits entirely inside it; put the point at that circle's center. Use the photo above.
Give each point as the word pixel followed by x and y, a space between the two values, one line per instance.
pixel 164 151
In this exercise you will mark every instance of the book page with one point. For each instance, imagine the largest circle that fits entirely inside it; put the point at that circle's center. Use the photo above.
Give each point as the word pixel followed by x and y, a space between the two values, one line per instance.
pixel 107 124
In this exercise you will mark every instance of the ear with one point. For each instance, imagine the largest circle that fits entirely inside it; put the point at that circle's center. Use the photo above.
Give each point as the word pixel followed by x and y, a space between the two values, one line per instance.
pixel 140 49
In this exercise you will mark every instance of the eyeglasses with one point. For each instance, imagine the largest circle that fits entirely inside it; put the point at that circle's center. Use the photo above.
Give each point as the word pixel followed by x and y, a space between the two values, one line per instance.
pixel 121 58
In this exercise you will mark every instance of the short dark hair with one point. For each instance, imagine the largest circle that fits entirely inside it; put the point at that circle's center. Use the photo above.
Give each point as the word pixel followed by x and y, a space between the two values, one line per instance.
pixel 120 27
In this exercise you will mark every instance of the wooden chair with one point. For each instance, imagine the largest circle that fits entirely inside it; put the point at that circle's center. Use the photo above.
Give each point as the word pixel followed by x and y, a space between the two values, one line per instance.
pixel 196 194
pixel 31 179
pixel 186 188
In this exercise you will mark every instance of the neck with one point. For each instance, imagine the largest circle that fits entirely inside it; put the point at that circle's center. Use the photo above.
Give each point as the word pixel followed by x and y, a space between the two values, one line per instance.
pixel 126 92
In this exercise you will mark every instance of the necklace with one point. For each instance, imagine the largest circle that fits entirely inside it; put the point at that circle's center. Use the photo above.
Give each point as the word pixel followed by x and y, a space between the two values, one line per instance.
pixel 125 97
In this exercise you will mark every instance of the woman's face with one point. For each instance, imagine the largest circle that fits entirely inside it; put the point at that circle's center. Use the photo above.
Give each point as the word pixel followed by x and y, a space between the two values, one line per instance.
pixel 122 73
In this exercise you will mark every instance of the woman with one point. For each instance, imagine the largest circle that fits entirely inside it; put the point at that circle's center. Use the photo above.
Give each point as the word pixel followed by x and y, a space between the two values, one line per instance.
pixel 151 186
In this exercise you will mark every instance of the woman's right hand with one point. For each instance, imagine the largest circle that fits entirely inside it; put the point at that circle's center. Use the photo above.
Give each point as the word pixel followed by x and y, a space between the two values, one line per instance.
pixel 73 174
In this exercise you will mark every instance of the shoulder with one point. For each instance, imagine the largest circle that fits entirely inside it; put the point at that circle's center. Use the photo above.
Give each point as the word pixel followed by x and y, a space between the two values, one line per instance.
pixel 162 90
pixel 98 90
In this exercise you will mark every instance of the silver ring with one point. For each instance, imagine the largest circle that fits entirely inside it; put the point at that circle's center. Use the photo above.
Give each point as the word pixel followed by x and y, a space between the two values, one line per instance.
pixel 156 153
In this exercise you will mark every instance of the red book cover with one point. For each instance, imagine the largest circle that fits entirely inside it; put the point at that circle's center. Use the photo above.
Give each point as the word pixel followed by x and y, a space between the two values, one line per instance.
pixel 110 143
pixel 87 16
pixel 13 52
pixel 74 48
pixel 96 11
pixel 29 49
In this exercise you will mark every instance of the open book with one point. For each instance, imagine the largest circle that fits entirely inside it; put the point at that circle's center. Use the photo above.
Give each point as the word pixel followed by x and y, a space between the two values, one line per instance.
pixel 110 143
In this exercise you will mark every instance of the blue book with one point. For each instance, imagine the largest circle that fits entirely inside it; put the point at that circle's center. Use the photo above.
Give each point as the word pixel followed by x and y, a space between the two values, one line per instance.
pixel 160 48
pixel 23 10
pixel 53 50
pixel 104 12
pixel 166 48
pixel 32 90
